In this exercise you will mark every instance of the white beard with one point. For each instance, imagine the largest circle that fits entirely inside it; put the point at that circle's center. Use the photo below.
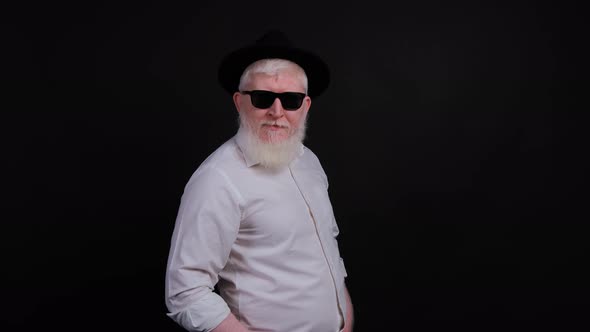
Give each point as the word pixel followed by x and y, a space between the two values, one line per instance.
pixel 271 154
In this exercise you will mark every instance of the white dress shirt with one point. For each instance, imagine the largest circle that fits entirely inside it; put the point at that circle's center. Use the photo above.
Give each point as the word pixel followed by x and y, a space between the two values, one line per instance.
pixel 266 238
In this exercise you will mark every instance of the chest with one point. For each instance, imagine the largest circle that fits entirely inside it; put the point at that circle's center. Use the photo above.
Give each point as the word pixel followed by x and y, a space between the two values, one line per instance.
pixel 285 208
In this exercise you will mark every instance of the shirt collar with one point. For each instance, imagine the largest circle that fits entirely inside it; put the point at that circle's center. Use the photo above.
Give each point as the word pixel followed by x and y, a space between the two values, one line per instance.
pixel 240 139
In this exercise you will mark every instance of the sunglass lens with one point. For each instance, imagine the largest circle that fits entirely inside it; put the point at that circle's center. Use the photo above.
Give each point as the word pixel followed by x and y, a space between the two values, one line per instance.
pixel 262 99
pixel 291 100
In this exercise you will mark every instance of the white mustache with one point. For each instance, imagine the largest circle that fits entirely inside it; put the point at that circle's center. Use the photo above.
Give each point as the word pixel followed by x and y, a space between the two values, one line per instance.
pixel 274 123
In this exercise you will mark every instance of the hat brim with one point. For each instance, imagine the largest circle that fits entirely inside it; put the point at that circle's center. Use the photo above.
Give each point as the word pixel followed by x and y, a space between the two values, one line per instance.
pixel 234 64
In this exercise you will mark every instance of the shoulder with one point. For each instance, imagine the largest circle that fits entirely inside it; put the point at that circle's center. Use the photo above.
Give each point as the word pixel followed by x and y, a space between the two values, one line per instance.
pixel 219 166
pixel 311 165
pixel 226 158
pixel 311 160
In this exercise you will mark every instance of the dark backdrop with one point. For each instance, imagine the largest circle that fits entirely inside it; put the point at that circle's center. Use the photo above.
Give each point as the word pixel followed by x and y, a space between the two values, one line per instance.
pixel 452 136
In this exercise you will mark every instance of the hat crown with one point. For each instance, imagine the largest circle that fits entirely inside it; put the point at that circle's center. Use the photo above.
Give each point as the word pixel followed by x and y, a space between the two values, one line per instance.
pixel 274 44
pixel 274 38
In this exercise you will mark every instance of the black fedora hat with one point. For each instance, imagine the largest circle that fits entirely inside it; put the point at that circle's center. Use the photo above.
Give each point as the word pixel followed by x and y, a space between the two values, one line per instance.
pixel 273 44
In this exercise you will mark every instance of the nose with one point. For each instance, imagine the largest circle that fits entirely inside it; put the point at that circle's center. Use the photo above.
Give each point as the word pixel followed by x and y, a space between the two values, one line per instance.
pixel 276 109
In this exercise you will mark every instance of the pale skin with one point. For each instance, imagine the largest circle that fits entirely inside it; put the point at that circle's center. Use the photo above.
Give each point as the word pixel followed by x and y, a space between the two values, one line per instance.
pixel 286 123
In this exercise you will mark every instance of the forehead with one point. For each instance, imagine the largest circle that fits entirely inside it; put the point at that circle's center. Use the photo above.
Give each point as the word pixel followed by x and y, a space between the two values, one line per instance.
pixel 284 80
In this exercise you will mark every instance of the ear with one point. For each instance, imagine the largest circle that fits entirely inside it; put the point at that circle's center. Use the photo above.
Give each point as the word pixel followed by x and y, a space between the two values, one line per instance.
pixel 237 100
pixel 306 104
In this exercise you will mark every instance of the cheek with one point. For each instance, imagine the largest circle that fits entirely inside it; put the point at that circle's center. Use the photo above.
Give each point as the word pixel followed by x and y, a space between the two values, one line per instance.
pixel 252 116
pixel 295 119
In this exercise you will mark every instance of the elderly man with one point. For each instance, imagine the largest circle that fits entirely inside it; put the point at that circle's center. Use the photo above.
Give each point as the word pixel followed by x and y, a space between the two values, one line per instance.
pixel 255 218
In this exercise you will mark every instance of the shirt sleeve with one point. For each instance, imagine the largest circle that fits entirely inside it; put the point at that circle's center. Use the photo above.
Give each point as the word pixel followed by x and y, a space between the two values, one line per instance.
pixel 206 227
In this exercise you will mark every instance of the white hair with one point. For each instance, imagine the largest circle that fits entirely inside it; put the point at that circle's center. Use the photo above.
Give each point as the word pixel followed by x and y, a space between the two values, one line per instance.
pixel 271 67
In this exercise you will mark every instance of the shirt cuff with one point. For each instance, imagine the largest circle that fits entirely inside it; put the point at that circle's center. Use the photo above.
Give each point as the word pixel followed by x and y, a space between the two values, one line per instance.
pixel 204 315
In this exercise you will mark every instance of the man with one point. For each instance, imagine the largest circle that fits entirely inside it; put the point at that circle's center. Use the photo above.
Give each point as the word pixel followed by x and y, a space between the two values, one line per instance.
pixel 255 218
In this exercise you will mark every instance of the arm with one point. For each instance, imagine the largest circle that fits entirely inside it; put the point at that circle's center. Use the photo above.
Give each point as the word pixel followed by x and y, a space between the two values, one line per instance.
pixel 349 320
pixel 205 230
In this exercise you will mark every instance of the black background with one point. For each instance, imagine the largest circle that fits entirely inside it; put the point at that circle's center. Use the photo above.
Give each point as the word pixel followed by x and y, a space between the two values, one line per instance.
pixel 452 135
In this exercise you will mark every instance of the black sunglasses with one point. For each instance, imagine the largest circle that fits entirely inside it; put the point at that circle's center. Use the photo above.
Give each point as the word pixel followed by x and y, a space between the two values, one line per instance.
pixel 291 101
